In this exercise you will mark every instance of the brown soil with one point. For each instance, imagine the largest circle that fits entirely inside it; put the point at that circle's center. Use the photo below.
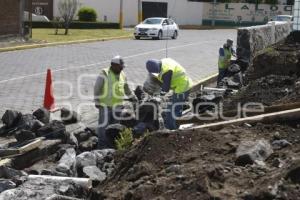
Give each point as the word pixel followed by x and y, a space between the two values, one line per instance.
pixel 274 76
pixel 201 165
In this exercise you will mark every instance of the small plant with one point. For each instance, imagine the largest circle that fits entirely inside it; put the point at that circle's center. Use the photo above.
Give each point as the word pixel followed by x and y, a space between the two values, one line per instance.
pixel 67 10
pixel 125 139
pixel 87 14
pixel 57 23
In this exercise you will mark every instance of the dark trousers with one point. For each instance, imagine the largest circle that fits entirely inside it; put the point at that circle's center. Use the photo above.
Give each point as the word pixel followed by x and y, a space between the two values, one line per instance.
pixel 106 117
pixel 222 74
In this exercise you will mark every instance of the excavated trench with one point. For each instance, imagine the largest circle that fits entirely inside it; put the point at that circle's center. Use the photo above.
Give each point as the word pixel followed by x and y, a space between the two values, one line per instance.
pixel 249 160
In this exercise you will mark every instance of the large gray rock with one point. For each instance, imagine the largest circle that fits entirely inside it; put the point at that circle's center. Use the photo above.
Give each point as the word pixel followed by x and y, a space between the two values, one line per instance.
pixel 6 185
pixel 279 144
pixel 10 118
pixel 89 145
pixel 99 157
pixel 105 152
pixel 94 173
pixel 72 140
pixel 43 115
pixel 9 173
pixel 293 172
pixel 250 151
pixel 69 116
pixel 24 135
pixel 53 130
pixel 27 122
pixel 37 124
pixel 67 163
pixel 83 136
pixel 86 159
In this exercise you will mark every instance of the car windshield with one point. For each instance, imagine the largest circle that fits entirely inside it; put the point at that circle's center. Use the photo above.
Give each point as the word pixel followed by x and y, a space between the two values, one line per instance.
pixel 281 18
pixel 152 21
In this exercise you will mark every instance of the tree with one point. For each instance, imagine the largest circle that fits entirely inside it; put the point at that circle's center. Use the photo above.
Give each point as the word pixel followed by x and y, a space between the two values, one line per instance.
pixel 67 10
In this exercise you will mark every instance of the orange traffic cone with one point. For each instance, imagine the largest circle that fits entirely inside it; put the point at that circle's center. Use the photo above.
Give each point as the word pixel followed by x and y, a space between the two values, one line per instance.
pixel 49 103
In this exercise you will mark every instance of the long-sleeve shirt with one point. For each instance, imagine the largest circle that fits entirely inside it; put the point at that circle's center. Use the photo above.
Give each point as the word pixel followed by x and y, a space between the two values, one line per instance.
pixel 99 86
pixel 166 79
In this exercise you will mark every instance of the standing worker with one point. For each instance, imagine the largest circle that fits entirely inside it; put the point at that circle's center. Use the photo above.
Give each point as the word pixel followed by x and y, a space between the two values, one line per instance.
pixel 225 55
pixel 173 77
pixel 109 92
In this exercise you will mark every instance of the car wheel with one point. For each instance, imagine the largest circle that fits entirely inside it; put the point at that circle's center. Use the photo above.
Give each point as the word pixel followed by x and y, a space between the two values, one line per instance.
pixel 175 35
pixel 159 36
pixel 137 37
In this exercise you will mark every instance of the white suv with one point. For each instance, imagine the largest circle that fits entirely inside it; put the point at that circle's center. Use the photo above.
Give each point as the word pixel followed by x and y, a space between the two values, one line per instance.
pixel 156 28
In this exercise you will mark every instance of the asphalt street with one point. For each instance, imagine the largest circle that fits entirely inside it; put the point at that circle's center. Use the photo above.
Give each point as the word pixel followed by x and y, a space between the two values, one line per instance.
pixel 75 67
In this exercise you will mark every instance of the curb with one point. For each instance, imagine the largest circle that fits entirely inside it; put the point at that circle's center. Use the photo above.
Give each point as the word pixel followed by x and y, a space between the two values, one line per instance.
pixel 205 81
pixel 33 46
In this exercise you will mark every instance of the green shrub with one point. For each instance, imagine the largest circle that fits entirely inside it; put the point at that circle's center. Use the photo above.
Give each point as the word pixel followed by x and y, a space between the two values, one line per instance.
pixel 124 141
pixel 87 14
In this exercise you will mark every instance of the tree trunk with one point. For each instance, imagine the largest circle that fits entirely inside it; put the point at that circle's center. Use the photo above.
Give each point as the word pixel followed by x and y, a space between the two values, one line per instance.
pixel 66 30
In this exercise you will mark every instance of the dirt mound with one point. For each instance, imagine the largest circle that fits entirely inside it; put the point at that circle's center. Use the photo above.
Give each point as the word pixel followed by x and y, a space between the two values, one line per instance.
pixel 294 37
pixel 281 59
pixel 273 78
pixel 201 165
pixel 269 90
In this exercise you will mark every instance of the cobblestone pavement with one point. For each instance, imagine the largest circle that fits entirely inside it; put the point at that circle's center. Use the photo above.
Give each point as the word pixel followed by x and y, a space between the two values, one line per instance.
pixel 75 67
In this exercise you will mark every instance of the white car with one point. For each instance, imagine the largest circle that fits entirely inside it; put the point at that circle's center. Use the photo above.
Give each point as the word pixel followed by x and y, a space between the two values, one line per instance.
pixel 156 28
pixel 281 19
pixel 35 18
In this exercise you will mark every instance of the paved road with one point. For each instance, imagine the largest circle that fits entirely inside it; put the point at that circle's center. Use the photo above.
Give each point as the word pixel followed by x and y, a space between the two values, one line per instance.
pixel 74 67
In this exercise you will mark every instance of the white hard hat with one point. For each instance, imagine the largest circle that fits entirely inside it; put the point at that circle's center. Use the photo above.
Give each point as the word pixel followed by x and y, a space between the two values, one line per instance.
pixel 117 60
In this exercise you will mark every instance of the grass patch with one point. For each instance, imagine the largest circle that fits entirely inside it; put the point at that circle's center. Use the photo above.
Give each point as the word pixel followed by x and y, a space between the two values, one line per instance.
pixel 125 140
pixel 39 34
pixel 269 50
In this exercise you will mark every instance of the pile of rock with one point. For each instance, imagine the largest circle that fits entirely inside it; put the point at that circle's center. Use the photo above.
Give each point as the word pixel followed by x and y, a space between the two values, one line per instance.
pixel 95 165
pixel 30 126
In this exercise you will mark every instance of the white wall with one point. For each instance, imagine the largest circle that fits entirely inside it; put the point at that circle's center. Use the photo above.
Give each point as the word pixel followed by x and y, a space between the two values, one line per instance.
pixel 245 12
pixel 109 8
pixel 183 11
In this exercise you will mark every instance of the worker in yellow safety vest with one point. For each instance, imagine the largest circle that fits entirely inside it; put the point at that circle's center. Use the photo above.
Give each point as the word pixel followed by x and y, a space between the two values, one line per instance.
pixel 173 77
pixel 109 91
pixel 225 55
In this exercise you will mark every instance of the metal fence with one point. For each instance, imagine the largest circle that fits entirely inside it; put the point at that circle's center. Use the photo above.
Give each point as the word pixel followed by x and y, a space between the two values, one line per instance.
pixel 297 15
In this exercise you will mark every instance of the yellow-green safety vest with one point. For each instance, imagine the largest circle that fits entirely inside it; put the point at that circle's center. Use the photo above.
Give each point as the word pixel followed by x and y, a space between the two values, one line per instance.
pixel 113 92
pixel 224 62
pixel 180 82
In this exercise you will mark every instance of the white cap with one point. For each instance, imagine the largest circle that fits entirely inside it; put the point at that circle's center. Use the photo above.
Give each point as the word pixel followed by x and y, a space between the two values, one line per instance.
pixel 117 60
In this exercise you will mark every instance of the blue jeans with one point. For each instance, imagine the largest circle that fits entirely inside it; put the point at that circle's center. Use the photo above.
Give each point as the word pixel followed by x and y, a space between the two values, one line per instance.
pixel 106 118
pixel 174 110
pixel 222 74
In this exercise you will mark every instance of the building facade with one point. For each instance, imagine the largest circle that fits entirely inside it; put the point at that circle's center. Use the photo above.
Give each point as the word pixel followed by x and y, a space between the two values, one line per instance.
pixel 184 12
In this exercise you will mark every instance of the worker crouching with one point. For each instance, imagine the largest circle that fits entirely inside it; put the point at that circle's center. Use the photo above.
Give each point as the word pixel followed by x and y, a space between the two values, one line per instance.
pixel 173 77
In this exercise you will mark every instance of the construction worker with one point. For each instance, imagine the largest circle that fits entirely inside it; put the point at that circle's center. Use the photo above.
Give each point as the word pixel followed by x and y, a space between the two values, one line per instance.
pixel 109 92
pixel 225 54
pixel 173 77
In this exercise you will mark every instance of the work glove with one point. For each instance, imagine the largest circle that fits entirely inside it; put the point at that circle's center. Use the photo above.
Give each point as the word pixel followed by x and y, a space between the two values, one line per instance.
pixel 97 106
pixel 162 93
